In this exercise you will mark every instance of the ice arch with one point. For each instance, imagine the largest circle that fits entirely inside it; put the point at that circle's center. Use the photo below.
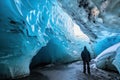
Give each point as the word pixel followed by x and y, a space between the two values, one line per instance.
pixel 102 22
pixel 28 26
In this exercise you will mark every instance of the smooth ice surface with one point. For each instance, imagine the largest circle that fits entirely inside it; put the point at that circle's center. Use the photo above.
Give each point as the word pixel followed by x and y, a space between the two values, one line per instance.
pixel 109 58
pixel 104 43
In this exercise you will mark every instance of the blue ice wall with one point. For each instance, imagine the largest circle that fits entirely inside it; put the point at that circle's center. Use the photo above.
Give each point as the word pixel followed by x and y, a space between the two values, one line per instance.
pixel 28 27
pixel 17 45
pixel 103 44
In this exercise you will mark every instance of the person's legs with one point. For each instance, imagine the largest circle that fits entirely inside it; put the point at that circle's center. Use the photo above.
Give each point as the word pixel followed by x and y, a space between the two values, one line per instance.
pixel 88 67
pixel 84 67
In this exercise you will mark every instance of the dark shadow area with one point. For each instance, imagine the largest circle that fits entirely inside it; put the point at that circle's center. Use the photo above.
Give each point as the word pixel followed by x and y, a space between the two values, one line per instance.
pixel 61 67
pixel 34 76
pixel 52 53
pixel 71 71
pixel 98 74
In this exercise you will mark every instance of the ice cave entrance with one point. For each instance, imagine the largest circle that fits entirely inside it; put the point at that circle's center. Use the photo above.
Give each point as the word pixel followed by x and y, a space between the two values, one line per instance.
pixel 55 31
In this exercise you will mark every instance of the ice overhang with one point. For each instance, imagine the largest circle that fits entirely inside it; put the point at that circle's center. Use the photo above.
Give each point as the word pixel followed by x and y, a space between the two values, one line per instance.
pixel 104 16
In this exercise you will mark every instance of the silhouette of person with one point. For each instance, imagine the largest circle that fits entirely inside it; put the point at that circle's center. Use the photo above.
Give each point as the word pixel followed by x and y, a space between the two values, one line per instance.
pixel 86 59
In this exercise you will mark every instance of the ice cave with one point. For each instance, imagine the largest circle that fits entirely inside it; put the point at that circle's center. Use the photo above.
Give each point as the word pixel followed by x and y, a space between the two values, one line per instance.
pixel 54 32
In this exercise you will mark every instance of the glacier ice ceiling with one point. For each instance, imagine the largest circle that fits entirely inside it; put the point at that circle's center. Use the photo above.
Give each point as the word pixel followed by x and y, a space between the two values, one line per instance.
pixel 37 32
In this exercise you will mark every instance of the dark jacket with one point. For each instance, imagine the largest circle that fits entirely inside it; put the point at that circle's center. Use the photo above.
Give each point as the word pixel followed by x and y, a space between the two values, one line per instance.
pixel 85 55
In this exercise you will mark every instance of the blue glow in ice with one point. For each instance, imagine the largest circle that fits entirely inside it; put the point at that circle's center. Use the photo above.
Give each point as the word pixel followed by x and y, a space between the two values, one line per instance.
pixel 30 27
pixel 101 45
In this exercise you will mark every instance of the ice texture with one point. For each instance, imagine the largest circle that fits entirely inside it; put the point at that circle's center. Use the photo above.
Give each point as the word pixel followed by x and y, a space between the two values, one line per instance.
pixel 33 32
pixel 30 27
pixel 104 43
pixel 109 59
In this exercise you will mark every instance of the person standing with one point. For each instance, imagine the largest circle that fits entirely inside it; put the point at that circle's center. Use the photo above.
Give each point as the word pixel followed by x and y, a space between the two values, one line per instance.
pixel 86 58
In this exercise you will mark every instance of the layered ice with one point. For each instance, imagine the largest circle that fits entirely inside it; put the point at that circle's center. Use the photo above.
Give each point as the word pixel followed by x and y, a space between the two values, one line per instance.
pixel 51 31
pixel 116 62
pixel 104 43
pixel 97 18
pixel 109 58
pixel 29 27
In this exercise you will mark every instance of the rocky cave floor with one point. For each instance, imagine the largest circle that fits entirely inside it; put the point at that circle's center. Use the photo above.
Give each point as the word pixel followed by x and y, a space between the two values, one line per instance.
pixel 72 71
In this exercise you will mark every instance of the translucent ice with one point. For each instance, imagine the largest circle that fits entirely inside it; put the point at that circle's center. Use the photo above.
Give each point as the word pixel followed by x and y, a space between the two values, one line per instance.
pixel 29 27
pixel 109 58
pixel 51 31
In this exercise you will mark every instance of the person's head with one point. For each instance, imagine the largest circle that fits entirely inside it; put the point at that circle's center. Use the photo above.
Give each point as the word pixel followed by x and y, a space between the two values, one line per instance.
pixel 85 47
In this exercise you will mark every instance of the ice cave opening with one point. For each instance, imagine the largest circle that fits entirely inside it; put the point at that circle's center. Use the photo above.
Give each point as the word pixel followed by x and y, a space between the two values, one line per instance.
pixel 36 32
